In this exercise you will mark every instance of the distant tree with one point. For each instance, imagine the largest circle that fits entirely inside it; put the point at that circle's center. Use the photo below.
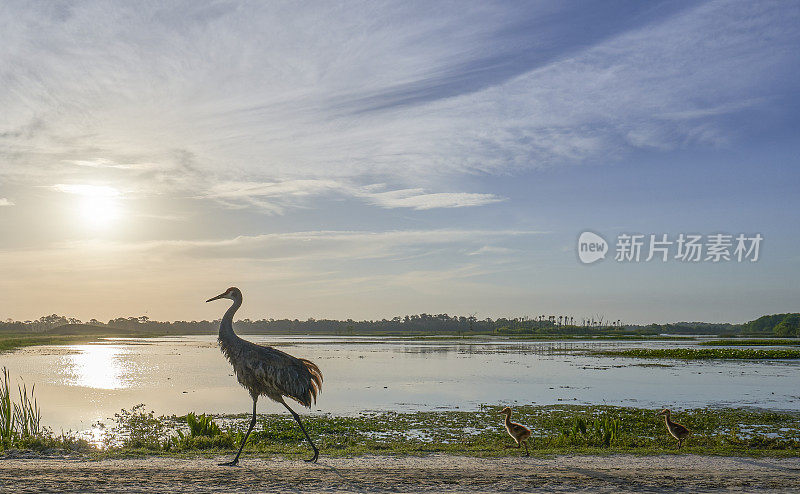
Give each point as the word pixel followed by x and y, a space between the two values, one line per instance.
pixel 789 326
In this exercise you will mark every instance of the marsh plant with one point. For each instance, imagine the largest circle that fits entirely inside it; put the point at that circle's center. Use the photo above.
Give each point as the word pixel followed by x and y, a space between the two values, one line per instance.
pixel 138 429
pixel 702 353
pixel 203 433
pixel 202 426
pixel 556 429
pixel 19 421
pixel 601 431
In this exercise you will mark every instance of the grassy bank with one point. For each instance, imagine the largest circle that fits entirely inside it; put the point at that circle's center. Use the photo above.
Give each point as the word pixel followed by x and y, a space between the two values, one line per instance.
pixel 13 342
pixel 556 429
pixel 701 353
pixel 10 342
pixel 570 429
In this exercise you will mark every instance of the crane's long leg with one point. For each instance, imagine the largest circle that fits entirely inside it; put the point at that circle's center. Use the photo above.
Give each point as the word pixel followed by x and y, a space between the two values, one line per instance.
pixel 525 442
pixel 297 418
pixel 252 424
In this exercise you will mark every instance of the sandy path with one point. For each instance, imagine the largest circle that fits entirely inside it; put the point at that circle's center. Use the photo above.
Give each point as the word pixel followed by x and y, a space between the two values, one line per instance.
pixel 406 474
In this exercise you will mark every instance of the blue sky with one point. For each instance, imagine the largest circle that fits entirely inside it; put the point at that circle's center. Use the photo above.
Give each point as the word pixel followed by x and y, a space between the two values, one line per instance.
pixel 373 159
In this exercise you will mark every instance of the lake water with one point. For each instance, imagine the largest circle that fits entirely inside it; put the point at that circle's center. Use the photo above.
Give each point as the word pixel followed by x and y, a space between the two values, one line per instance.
pixel 78 385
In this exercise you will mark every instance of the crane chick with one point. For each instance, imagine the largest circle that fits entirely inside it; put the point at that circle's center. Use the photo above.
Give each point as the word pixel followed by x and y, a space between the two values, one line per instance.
pixel 518 432
pixel 675 429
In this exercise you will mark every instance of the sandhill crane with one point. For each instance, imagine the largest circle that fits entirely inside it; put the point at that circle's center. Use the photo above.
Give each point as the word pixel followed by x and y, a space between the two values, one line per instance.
pixel 675 429
pixel 519 432
pixel 263 370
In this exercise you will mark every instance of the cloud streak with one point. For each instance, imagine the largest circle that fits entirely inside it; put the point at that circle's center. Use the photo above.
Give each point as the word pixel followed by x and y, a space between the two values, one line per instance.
pixel 318 246
pixel 420 200
pixel 86 190
pixel 275 197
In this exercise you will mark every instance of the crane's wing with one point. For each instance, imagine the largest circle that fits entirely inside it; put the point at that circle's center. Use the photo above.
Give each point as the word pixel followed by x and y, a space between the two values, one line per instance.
pixel 519 429
pixel 680 429
pixel 278 373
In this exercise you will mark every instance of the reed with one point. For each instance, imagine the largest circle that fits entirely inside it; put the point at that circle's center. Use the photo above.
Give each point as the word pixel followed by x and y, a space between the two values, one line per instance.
pixel 6 412
pixel 27 414
pixel 18 421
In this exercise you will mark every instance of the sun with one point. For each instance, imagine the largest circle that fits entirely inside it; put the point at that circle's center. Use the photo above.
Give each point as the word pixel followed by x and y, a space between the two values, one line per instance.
pixel 99 212
pixel 98 206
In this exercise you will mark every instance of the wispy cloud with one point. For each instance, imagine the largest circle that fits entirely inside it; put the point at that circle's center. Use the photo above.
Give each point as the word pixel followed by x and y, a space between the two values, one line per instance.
pixel 492 249
pixel 86 190
pixel 106 163
pixel 419 199
pixel 274 197
pixel 5 202
pixel 317 246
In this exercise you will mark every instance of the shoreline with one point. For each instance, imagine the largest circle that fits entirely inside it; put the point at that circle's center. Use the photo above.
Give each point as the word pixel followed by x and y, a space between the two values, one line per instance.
pixel 432 473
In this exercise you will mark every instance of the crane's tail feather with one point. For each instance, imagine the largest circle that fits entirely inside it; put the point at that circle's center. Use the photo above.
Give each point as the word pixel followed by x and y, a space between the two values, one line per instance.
pixel 315 384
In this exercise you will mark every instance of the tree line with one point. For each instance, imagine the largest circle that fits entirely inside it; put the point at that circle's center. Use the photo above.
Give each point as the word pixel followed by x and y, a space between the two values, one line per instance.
pixel 777 325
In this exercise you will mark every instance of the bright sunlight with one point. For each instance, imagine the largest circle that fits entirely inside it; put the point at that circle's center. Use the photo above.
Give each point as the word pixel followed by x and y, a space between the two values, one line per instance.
pixel 99 206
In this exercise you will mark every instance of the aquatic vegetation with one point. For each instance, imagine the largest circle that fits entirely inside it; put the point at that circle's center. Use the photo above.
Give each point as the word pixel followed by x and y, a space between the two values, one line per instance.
pixel 770 342
pixel 203 433
pixel 202 426
pixel 11 342
pixel 137 428
pixel 27 415
pixel 18 421
pixel 556 429
pixel 623 337
pixel 601 431
pixel 701 353
pixel 6 412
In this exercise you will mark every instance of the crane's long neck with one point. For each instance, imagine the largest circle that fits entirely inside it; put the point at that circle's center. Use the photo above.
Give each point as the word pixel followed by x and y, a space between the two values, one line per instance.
pixel 226 326
pixel 508 420
pixel 667 420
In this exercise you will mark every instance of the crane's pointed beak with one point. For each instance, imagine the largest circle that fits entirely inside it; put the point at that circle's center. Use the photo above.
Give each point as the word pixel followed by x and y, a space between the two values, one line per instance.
pixel 216 298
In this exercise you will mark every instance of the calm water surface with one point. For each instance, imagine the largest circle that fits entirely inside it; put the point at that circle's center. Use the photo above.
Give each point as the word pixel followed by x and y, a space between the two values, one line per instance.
pixel 78 385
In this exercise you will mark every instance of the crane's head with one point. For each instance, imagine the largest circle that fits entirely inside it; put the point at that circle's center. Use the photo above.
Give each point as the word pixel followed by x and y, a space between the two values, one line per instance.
pixel 232 293
pixel 663 412
pixel 505 411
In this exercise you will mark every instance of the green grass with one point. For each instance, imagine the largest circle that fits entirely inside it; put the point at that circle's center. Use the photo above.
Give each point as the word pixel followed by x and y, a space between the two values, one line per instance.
pixel 627 337
pixel 19 422
pixel 10 342
pixel 568 429
pixel 771 342
pixel 13 342
pixel 557 429
pixel 701 353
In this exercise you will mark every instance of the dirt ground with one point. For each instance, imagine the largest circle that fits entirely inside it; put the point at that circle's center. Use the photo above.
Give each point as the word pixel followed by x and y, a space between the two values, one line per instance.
pixel 437 473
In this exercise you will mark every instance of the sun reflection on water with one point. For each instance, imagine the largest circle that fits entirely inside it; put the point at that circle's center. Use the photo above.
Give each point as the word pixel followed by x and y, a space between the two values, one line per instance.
pixel 96 366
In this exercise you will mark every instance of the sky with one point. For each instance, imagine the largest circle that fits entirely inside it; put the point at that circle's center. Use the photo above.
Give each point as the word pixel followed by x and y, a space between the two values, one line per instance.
pixel 372 159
